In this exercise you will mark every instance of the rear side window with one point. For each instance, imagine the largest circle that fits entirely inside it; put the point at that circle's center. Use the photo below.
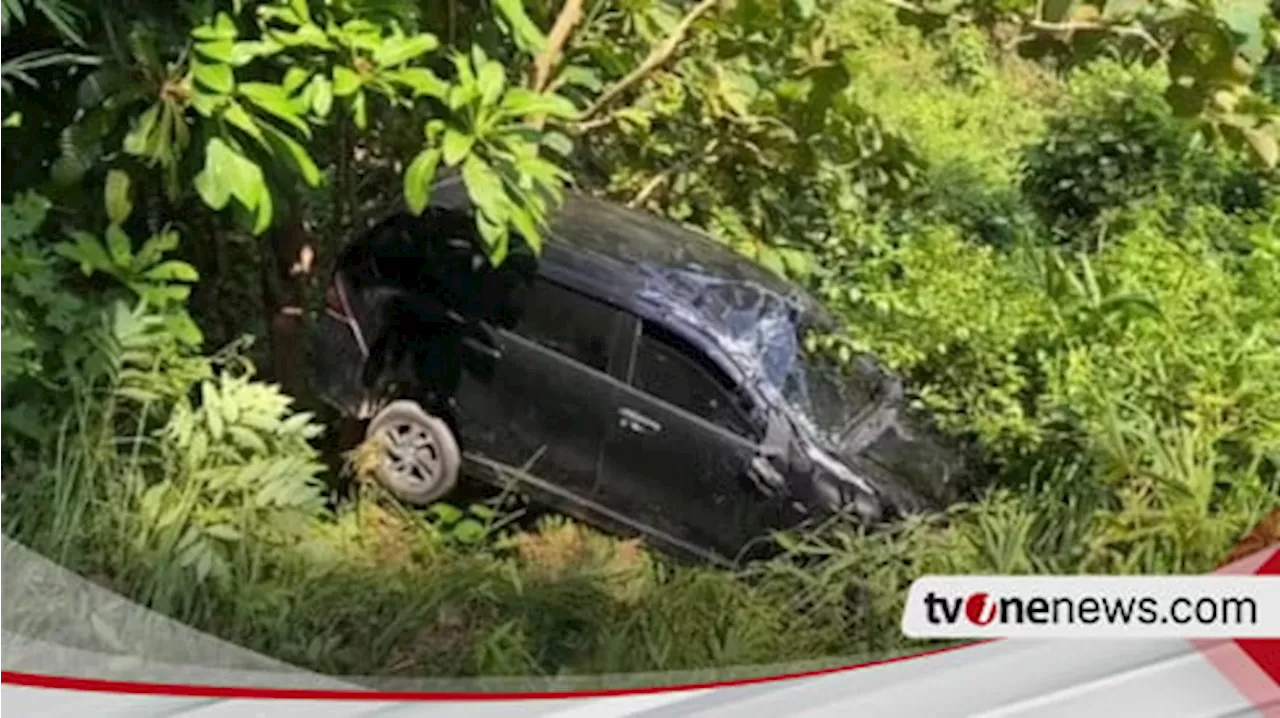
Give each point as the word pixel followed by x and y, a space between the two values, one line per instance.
pixel 671 370
pixel 568 322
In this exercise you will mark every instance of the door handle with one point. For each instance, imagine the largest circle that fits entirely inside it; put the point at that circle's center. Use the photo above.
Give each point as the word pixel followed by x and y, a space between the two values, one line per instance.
pixel 633 420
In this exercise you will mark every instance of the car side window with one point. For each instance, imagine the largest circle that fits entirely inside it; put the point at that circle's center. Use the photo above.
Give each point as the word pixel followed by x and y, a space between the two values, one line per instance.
pixel 567 322
pixel 668 369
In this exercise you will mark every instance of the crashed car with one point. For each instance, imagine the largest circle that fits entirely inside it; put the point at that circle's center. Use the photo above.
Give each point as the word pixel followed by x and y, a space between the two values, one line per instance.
pixel 636 374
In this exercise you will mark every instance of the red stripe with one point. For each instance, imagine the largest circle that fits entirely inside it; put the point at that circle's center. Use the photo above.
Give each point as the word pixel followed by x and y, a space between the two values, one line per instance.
pixel 101 685
pixel 1266 651
pixel 1252 665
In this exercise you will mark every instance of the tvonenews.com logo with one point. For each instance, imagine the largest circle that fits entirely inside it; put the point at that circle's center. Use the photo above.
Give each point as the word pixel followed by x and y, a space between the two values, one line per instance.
pixel 983 609
pixel 1093 606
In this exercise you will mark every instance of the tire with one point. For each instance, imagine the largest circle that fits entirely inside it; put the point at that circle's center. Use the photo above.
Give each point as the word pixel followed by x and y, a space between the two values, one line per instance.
pixel 419 458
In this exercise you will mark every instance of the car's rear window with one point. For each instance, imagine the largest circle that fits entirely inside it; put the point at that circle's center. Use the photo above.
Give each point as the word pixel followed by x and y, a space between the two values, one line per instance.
pixel 436 254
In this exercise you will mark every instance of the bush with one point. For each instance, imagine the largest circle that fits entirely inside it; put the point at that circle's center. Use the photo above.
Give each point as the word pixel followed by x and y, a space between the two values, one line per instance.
pixel 1116 141
pixel 1129 400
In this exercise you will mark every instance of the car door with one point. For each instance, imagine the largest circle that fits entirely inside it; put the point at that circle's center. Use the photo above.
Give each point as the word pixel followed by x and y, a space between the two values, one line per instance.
pixel 679 449
pixel 545 405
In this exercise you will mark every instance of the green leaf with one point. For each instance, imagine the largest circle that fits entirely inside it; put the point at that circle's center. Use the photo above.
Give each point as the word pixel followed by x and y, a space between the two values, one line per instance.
pixel 395 51
pixel 222 28
pixel 264 212
pixel 321 96
pixel 227 532
pixel 484 186
pixel 465 88
pixel 771 260
pixel 364 35
pixel 525 225
pixel 419 179
pixel 301 9
pixel 1245 18
pixel 1057 10
pixel 529 38
pixel 306 35
pixel 1265 146
pixel 208 105
pixel 520 102
pixel 156 246
pixel 559 143
pixel 276 101
pixel 216 77
pixel 492 80
pixel 212 183
pixel 242 53
pixel 421 80
pixel 588 78
pixel 240 118
pixel 119 246
pixel 456 146
pixel 345 81
pixel 446 514
pixel 116 197
pixel 294 79
pixel 496 236
pixel 434 130
pixel 218 51
pixel 172 271
pixel 1122 10
pixel 86 251
pixel 297 153
pixel 360 110
pixel 226 174
pixel 737 89
pixel 469 531
pixel 798 263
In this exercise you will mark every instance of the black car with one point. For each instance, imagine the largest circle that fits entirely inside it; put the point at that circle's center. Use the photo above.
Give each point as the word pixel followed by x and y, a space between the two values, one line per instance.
pixel 637 375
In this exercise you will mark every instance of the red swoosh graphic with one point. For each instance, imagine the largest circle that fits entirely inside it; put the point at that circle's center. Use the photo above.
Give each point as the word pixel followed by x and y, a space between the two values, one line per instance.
pixel 1252 665
pixel 100 685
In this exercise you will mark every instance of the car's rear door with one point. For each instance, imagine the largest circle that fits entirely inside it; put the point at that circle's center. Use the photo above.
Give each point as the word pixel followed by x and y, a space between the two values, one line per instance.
pixel 548 400
pixel 679 448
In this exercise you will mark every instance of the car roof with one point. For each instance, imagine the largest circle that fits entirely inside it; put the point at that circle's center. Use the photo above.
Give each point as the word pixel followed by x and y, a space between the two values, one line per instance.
pixel 616 245
pixel 746 317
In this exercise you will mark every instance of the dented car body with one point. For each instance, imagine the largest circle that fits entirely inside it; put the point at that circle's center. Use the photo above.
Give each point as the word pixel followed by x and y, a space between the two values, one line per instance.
pixel 637 375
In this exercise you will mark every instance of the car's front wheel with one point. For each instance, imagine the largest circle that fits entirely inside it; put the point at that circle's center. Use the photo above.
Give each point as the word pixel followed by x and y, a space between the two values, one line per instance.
pixel 418 455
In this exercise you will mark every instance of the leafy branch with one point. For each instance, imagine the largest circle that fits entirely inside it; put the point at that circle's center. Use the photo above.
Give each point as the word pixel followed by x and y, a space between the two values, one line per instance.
pixel 656 58
pixel 561 31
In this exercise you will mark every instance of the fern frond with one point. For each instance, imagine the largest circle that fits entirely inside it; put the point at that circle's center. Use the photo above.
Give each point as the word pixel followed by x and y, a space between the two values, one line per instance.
pixel 65 17
pixel 19 67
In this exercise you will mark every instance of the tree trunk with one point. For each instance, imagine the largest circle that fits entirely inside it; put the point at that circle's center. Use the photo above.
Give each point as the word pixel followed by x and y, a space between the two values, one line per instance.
pixel 288 260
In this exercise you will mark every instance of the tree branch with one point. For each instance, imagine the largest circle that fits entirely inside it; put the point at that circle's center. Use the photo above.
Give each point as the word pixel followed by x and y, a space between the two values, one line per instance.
pixel 1043 26
pixel 650 187
pixel 705 156
pixel 904 5
pixel 659 55
pixel 561 31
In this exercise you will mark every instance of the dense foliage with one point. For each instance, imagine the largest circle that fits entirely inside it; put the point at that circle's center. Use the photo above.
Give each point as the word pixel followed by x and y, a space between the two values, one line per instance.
pixel 1068 241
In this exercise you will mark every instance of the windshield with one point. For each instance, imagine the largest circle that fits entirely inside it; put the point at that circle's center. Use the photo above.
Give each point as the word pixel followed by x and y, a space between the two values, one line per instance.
pixel 827 395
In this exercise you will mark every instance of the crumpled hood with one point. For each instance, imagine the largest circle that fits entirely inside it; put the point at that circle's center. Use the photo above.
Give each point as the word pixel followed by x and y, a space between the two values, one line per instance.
pixel 907 453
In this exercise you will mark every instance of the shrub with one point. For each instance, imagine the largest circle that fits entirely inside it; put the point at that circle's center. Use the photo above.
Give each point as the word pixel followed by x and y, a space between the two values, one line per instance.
pixel 1116 141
